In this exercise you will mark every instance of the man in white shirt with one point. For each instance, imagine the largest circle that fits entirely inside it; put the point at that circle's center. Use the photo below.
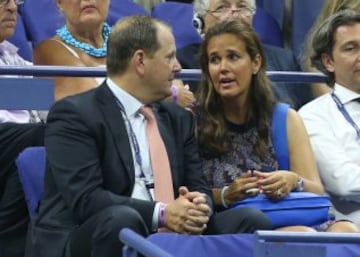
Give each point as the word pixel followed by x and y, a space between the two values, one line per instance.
pixel 333 120
pixel 16 133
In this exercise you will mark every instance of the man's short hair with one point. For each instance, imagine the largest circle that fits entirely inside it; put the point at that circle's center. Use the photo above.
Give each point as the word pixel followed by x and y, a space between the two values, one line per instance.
pixel 129 35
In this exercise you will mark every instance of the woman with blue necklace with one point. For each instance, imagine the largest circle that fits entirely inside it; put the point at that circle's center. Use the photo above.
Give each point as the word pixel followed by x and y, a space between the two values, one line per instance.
pixel 82 41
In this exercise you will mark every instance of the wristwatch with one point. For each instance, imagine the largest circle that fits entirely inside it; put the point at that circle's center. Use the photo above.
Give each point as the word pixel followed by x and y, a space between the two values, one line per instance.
pixel 299 184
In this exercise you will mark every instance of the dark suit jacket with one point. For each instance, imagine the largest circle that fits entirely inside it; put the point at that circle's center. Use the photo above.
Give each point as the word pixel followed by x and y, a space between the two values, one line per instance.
pixel 277 59
pixel 90 165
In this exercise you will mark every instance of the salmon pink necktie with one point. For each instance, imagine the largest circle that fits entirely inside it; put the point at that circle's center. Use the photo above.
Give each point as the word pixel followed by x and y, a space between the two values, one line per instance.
pixel 163 188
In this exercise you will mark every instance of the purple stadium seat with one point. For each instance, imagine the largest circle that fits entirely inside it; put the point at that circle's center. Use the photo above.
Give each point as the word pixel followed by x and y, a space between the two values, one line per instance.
pixel 31 168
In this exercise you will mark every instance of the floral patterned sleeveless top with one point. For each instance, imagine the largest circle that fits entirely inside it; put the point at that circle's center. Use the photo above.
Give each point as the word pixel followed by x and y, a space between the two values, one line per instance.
pixel 221 171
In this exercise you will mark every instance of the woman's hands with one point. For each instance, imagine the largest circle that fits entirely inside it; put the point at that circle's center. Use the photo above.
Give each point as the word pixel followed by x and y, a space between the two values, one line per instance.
pixel 241 188
pixel 184 97
pixel 277 184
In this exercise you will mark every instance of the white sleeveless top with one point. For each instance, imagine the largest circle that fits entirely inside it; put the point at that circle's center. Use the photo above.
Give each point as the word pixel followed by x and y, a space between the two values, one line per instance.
pixel 99 80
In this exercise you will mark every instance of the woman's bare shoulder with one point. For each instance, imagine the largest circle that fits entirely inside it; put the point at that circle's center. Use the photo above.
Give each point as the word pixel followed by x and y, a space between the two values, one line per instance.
pixel 53 51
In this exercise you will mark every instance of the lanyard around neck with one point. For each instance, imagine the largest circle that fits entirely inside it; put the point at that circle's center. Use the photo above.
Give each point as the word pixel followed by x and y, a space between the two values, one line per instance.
pixel 136 147
pixel 345 113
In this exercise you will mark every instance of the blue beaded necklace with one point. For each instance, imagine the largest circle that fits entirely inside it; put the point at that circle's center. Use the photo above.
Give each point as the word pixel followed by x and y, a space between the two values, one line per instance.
pixel 69 39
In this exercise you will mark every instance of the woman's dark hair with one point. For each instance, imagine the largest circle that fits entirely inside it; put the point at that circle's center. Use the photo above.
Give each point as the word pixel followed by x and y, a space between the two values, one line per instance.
pixel 212 129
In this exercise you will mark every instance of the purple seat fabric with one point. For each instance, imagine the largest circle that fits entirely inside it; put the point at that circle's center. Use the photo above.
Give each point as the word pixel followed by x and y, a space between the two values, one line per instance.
pixel 268 29
pixel 31 168
pixel 304 14
pixel 179 16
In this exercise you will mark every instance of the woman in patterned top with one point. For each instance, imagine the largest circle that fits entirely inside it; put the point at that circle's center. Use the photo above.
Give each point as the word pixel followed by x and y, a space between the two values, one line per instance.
pixel 234 129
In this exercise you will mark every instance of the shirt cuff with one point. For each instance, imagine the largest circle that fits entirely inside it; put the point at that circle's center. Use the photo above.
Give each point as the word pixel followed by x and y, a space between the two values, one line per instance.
pixel 155 218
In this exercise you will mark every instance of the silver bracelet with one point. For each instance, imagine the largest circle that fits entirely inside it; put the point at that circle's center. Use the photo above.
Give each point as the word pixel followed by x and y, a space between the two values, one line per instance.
pixel 222 196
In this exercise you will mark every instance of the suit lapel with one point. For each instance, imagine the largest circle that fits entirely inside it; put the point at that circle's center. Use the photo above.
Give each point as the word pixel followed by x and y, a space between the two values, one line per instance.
pixel 113 117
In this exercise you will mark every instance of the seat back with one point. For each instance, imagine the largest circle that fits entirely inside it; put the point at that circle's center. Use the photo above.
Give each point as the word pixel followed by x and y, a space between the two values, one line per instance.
pixel 267 28
pixel 41 19
pixel 31 167
pixel 179 16
pixel 304 14
pixel 20 40
pixel 120 9
pixel 276 8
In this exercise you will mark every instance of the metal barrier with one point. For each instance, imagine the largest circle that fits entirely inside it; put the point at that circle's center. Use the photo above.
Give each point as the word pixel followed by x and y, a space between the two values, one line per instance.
pixel 186 74
pixel 38 92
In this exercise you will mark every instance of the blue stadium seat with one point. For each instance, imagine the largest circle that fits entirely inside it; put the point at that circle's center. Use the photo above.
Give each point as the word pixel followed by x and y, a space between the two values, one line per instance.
pixel 122 8
pixel 267 28
pixel 276 8
pixel 41 19
pixel 20 40
pixel 304 14
pixel 31 167
pixel 179 16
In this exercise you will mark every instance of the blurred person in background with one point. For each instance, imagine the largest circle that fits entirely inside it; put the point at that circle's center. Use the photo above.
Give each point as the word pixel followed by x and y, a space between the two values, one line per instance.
pixel 16 133
pixel 329 8
pixel 82 42
pixel 333 119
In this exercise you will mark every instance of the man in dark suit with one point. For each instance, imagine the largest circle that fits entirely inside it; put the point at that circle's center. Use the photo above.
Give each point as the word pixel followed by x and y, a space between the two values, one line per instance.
pixel 99 177
pixel 208 12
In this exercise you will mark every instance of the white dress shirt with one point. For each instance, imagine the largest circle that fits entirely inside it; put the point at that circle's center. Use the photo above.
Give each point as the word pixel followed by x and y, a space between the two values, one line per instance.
pixel 337 149
pixel 138 125
pixel 9 56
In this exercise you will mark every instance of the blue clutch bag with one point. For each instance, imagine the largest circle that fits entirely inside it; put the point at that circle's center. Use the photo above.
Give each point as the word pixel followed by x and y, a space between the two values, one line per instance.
pixel 297 208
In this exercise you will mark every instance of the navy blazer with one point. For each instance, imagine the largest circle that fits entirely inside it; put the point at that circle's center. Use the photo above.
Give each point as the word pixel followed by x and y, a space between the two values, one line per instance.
pixel 90 165
pixel 277 59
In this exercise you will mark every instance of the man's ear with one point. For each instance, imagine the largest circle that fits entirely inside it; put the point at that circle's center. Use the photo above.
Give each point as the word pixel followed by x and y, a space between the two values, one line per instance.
pixel 138 60
pixel 327 62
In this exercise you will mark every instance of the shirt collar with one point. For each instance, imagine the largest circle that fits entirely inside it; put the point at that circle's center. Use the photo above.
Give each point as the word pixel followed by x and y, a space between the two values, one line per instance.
pixel 130 103
pixel 344 94
pixel 6 46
